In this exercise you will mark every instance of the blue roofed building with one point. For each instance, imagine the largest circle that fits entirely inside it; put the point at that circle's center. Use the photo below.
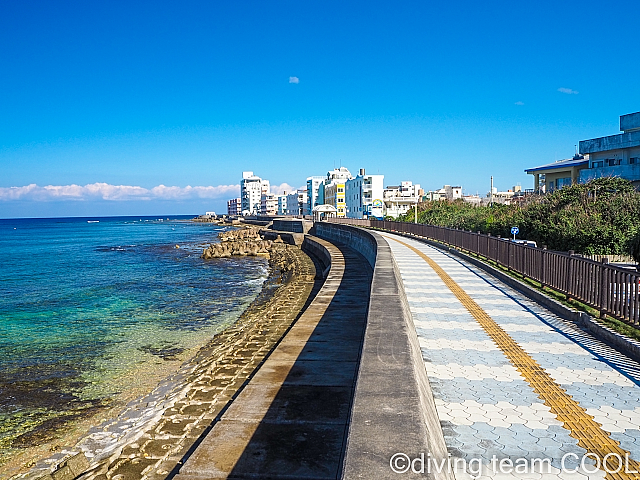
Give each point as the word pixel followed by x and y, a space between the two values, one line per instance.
pixel 556 175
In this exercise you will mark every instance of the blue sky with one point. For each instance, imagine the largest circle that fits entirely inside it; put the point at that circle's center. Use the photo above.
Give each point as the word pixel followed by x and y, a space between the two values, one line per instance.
pixel 178 94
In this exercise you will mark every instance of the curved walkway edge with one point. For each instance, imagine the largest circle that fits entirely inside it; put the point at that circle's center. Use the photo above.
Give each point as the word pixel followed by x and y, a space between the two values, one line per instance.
pixel 394 411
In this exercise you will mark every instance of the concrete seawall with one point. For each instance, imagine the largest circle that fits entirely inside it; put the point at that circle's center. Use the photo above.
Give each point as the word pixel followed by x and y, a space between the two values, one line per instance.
pixel 394 410
pixel 292 417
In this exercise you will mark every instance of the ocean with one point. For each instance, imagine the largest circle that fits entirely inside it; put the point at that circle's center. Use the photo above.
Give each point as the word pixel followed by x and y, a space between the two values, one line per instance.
pixel 86 304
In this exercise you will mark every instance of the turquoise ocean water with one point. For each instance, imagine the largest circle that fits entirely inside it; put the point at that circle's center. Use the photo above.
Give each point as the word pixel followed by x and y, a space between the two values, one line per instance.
pixel 86 301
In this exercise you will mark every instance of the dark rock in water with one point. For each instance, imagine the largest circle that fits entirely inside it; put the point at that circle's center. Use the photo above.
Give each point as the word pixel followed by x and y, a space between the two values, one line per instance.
pixel 51 428
pixel 166 352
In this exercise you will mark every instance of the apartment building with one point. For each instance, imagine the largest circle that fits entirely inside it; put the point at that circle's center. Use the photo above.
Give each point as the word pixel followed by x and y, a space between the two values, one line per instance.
pixel 398 199
pixel 337 175
pixel 313 187
pixel 447 192
pixel 252 188
pixel 334 195
pixel 234 207
pixel 363 196
pixel 297 202
pixel 268 204
pixel 282 204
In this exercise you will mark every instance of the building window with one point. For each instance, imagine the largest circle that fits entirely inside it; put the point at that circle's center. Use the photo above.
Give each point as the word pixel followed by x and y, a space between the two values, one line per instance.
pixel 341 200
pixel 633 160
pixel 340 190
pixel 599 164
pixel 563 182
pixel 613 161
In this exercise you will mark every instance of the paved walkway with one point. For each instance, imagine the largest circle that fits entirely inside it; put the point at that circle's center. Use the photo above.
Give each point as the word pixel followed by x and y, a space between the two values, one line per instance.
pixel 513 380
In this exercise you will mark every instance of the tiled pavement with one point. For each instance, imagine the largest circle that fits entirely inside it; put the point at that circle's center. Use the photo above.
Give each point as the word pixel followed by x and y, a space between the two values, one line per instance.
pixel 485 405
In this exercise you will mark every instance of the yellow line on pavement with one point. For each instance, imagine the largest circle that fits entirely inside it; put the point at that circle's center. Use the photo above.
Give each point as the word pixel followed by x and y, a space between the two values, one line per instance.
pixel 574 418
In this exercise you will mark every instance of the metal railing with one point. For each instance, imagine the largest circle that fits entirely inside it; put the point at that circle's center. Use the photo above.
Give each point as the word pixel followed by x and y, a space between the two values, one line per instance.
pixel 612 290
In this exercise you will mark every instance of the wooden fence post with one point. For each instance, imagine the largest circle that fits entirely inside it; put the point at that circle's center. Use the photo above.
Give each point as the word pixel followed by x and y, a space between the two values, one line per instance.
pixel 604 288
pixel 569 277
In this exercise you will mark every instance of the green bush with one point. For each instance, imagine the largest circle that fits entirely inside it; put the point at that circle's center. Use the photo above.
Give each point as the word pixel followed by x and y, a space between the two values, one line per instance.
pixel 599 217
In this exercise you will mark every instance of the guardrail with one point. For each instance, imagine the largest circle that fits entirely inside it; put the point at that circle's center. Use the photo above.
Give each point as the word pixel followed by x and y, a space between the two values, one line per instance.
pixel 612 290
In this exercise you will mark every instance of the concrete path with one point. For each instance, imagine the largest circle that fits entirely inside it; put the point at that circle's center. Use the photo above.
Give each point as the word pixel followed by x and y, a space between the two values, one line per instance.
pixel 291 420
pixel 514 381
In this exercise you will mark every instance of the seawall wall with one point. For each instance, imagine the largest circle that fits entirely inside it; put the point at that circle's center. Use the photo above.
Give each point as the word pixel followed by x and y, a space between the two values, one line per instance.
pixel 394 410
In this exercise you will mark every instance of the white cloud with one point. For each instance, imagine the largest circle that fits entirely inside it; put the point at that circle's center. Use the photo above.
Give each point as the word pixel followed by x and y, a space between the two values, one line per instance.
pixel 567 91
pixel 519 103
pixel 280 189
pixel 294 80
pixel 104 191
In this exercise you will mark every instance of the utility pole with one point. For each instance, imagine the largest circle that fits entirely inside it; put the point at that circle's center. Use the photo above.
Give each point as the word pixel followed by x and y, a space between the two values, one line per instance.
pixel 491 193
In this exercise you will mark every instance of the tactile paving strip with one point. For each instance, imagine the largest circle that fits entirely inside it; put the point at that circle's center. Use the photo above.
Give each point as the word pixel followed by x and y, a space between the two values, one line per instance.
pixel 574 418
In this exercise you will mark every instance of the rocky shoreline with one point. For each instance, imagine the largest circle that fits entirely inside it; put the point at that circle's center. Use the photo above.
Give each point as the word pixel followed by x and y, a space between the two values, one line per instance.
pixel 151 435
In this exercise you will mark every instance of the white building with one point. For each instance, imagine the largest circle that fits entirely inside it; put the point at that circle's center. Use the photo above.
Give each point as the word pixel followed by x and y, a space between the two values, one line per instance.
pixel 474 200
pixel 313 187
pixel 332 189
pixel 282 204
pixel 398 199
pixel 252 188
pixel 447 192
pixel 334 177
pixel 363 196
pixel 505 198
pixel 234 207
pixel 268 204
pixel 297 202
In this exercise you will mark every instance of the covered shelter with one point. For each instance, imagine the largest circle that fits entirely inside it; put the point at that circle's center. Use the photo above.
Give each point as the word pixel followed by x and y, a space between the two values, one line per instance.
pixel 322 212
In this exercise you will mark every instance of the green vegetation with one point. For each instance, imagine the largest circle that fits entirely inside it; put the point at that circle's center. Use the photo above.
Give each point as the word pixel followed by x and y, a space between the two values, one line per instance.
pixel 601 217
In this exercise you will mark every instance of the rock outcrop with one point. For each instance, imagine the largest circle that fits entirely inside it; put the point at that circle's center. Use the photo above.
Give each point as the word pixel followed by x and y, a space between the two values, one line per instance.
pixel 243 242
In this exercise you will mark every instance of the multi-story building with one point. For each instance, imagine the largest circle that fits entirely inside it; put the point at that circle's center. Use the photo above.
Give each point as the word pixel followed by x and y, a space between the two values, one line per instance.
pixel 313 187
pixel 303 201
pixel 447 192
pixel 268 204
pixel 615 155
pixel 612 156
pixel 282 204
pixel 234 207
pixel 334 195
pixel 252 188
pixel 398 199
pixel 504 198
pixel 335 176
pixel 297 202
pixel 431 196
pixel 363 196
